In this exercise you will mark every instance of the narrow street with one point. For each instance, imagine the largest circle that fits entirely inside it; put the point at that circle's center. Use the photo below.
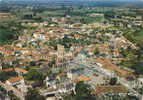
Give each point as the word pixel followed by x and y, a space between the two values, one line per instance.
pixel 15 91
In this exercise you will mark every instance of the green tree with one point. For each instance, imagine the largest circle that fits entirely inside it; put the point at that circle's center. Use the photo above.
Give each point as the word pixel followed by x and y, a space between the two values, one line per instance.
pixel 138 67
pixel 33 94
pixel 6 75
pixel 113 81
pixel 83 92
pixel 96 51
pixel 141 90
pixel 3 90
pixel 13 96
pixel 9 31
pixel 35 76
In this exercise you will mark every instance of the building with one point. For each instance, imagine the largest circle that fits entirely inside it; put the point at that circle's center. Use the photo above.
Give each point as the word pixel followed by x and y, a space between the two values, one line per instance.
pixel 140 81
pixel 5 15
pixel 61 76
pixel 107 64
pixel 81 78
pixel 101 90
pixel 20 71
pixel 60 55
pixel 15 80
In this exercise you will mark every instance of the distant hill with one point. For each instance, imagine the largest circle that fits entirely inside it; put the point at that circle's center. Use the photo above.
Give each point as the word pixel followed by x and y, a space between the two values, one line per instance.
pixel 108 3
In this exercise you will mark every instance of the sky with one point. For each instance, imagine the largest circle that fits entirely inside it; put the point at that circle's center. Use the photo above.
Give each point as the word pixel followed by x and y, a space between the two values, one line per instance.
pixel 79 0
pixel 91 0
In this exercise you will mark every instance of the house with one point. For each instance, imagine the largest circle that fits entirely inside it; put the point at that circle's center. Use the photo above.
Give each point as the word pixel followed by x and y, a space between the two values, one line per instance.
pixel 140 81
pixel 51 77
pixel 83 54
pixel 39 36
pixel 25 51
pixel 8 59
pixel 66 88
pixel 15 80
pixel 7 70
pixel 107 64
pixel 76 51
pixel 20 71
pixel 50 80
pixel 81 78
pixel 70 87
pixel 61 88
pixel 5 15
pixel 69 75
pixel 101 90
pixel 61 76
pixel 103 49
pixel 20 45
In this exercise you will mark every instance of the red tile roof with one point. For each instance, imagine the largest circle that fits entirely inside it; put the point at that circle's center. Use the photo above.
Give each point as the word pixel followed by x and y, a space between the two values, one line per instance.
pixel 81 78
pixel 12 69
pixel 21 70
pixel 107 64
pixel 61 74
pixel 112 89
pixel 15 79
pixel 76 51
pixel 7 70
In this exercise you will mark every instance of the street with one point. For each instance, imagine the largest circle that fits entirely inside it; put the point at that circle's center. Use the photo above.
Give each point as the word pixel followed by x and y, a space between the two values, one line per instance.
pixel 123 81
pixel 15 91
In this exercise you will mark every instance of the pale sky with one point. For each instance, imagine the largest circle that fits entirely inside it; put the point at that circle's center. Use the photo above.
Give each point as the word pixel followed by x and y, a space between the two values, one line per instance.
pixel 85 0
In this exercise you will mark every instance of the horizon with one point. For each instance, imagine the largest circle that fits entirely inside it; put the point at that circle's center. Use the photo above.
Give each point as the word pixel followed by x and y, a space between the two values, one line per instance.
pixel 100 3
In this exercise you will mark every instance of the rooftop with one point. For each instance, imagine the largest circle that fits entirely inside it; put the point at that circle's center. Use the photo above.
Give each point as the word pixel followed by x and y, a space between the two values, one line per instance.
pixel 15 79
pixel 16 69
pixel 112 89
pixel 108 65
pixel 81 78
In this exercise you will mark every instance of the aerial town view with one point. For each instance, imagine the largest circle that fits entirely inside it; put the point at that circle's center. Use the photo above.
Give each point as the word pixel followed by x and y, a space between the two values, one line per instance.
pixel 71 49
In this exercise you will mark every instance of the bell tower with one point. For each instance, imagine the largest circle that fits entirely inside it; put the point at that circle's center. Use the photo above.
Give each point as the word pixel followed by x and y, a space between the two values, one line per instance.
pixel 60 54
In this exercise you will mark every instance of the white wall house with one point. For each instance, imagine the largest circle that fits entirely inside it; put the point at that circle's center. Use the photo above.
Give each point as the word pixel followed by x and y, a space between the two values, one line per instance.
pixel 15 80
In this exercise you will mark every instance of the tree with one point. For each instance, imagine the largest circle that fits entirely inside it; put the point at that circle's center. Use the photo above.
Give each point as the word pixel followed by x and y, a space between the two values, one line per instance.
pixel 96 51
pixel 141 90
pixel 35 76
pixel 5 65
pixel 9 31
pixel 6 75
pixel 83 92
pixel 138 67
pixel 12 96
pixel 33 94
pixel 3 90
pixel 113 81
pixel 32 63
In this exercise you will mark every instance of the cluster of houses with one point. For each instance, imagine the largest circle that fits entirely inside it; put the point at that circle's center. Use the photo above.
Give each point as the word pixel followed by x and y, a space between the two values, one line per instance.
pixel 17 81
pixel 6 15
pixel 35 47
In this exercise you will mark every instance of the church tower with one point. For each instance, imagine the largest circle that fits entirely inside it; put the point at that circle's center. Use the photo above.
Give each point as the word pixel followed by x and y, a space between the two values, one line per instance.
pixel 60 54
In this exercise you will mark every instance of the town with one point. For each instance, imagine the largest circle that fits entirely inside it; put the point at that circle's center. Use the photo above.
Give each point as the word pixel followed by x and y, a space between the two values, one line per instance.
pixel 70 52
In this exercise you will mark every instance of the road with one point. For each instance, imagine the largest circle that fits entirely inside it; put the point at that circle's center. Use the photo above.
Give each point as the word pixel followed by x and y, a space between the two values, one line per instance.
pixel 89 66
pixel 121 80
pixel 15 91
